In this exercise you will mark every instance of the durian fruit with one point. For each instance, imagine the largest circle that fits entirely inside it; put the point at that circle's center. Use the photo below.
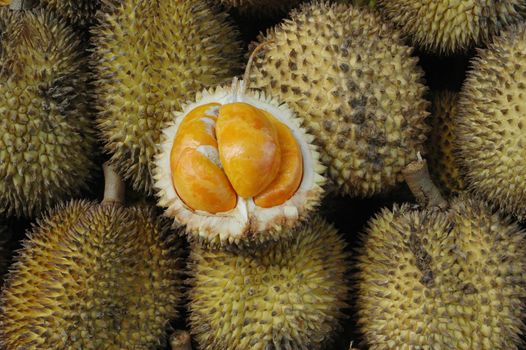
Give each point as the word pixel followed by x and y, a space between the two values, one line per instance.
pixel 441 143
pixel 290 295
pixel 80 12
pixel 448 27
pixel 47 144
pixel 237 168
pixel 491 123
pixel 442 278
pixel 356 86
pixel 263 8
pixel 93 276
pixel 150 57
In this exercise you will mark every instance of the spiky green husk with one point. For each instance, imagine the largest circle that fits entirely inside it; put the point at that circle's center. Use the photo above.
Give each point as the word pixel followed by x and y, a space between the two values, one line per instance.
pixel 80 12
pixel 47 144
pixel 453 279
pixel 446 26
pixel 491 123
pixel 151 57
pixel 443 164
pixel 92 276
pixel 356 86
pixel 289 295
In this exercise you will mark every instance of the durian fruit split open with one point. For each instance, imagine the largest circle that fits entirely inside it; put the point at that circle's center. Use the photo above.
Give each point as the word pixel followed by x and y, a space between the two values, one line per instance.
pixel 237 166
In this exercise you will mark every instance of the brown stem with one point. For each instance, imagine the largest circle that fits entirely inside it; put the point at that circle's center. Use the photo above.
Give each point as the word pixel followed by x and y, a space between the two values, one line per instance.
pixel 113 186
pixel 246 76
pixel 426 193
pixel 180 340
pixel 22 4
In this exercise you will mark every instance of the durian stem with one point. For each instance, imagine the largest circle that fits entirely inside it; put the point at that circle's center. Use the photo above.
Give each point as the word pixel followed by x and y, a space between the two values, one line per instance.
pixel 419 181
pixel 246 76
pixel 114 187
pixel 180 340
pixel 21 4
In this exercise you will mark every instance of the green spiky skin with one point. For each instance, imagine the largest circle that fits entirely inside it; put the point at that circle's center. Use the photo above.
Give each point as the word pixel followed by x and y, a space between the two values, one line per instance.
pixel 447 27
pixel 431 279
pixel 80 12
pixel 151 57
pixel 356 86
pixel 289 295
pixel 441 157
pixel 92 276
pixel 47 144
pixel 491 123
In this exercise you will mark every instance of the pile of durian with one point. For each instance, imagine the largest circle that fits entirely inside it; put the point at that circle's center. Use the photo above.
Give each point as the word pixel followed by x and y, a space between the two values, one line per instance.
pixel 262 174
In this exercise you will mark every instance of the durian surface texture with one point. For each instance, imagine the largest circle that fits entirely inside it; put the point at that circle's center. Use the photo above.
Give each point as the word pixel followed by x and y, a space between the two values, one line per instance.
pixel 92 276
pixel 150 58
pixel 289 295
pixel 79 12
pixel 357 87
pixel 450 26
pixel 47 142
pixel 431 279
pixel 491 123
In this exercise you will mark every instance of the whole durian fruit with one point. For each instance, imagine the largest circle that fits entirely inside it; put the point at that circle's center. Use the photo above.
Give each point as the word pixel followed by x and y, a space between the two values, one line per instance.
pixel 491 123
pixel 47 144
pixel 446 26
pixel 289 295
pixel 356 86
pixel 80 12
pixel 92 276
pixel 441 143
pixel 150 57
pixel 442 278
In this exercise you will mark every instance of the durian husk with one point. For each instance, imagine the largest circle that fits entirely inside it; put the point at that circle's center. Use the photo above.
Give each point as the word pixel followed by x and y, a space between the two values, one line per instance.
pixel 150 58
pixel 289 295
pixel 246 225
pixel 442 279
pixel 451 27
pixel 48 145
pixel 490 123
pixel 92 276
pixel 78 12
pixel 357 87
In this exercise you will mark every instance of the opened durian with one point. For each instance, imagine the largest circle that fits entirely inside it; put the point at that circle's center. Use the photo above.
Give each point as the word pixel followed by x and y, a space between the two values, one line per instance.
pixel 289 295
pixel 47 143
pixel 491 123
pixel 80 12
pixel 93 276
pixel 441 143
pixel 441 277
pixel 446 26
pixel 151 57
pixel 236 167
pixel 356 86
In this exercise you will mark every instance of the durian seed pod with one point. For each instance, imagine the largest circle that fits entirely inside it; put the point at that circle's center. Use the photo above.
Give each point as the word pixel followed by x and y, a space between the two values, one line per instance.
pixel 289 295
pixel 264 8
pixel 450 27
pixel 150 58
pixel 48 142
pixel 78 12
pixel 491 123
pixel 93 276
pixel 357 87
pixel 441 277
pixel 237 168
pixel 441 154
